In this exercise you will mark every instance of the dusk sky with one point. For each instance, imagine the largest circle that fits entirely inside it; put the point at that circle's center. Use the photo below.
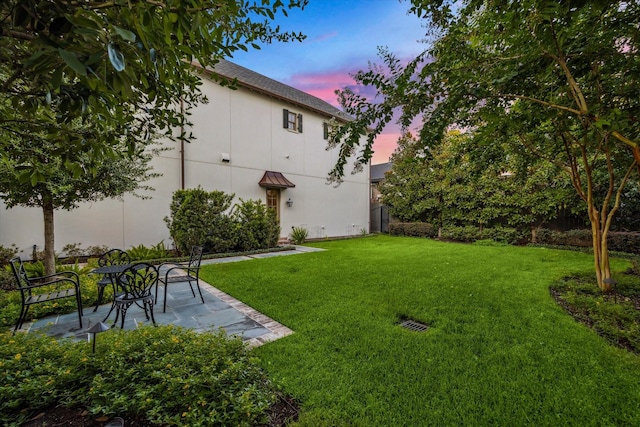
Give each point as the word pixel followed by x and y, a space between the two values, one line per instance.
pixel 342 38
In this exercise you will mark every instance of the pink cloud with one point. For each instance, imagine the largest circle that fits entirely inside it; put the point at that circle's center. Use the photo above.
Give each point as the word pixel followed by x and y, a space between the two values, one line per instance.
pixel 324 85
pixel 384 145
pixel 322 37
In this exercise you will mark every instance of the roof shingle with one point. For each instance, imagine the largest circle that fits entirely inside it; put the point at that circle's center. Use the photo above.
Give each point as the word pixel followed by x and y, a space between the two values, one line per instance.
pixel 255 81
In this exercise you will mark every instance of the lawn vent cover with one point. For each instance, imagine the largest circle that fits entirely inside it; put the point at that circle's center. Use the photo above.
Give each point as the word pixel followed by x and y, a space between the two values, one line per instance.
pixel 414 326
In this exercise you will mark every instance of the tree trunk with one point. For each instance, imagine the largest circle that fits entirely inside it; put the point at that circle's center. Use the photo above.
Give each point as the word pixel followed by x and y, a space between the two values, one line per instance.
pixel 49 240
pixel 534 231
pixel 600 251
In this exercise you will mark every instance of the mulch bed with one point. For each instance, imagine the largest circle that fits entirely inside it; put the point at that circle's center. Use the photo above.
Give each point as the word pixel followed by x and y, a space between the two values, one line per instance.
pixel 280 414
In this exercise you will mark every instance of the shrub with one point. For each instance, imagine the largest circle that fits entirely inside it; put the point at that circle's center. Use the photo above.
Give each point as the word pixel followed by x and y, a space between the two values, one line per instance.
pixel 142 252
pixel 256 225
pixel 624 242
pixel 10 299
pixel 7 253
pixel 199 218
pixel 461 234
pixel 7 281
pixel 506 235
pixel 73 250
pixel 298 235
pixel 628 242
pixel 97 251
pixel 414 229
pixel 168 375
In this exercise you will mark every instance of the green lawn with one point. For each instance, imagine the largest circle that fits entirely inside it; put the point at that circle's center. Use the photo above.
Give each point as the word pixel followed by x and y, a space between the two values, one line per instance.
pixel 499 350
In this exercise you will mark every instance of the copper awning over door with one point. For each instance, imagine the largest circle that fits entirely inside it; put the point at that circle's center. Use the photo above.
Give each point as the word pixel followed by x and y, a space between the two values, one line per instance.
pixel 272 179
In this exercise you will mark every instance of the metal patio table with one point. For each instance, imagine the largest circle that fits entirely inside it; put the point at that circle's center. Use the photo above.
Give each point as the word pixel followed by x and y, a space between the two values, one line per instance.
pixel 112 271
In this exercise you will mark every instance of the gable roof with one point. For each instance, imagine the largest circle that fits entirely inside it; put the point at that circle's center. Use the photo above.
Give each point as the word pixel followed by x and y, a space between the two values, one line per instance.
pixel 265 85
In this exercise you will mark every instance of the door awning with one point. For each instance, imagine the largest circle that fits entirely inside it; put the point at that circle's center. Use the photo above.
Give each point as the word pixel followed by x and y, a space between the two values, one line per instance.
pixel 272 179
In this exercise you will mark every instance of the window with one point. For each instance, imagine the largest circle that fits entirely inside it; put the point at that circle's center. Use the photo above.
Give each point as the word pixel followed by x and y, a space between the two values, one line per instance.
pixel 291 121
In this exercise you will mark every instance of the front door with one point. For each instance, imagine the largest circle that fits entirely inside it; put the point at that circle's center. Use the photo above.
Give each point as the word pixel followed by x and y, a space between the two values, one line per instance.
pixel 273 200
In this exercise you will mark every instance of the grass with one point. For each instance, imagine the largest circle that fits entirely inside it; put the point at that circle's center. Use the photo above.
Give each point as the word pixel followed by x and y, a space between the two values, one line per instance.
pixel 499 350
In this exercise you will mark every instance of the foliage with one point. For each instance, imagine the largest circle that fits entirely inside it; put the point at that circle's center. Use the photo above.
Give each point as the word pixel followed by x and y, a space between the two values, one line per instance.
pixel 298 235
pixel 88 85
pixel 10 299
pixel 206 218
pixel 168 375
pixel 257 226
pixel 120 63
pixel 142 252
pixel 492 326
pixel 7 253
pixel 65 189
pixel 201 218
pixel 555 80
pixel 457 183
pixel 412 229
pixel 73 250
pixel 614 316
pixel 34 268
pixel 617 241
pixel 7 281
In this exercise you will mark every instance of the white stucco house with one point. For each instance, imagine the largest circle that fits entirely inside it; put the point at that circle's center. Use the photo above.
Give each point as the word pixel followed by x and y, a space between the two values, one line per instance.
pixel 263 141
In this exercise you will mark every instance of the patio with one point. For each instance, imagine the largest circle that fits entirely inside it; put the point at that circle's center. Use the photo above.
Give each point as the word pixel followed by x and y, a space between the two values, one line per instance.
pixel 219 311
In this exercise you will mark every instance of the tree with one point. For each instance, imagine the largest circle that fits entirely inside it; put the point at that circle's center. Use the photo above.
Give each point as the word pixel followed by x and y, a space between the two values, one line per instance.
pixel 118 60
pixel 559 78
pixel 62 189
pixel 458 183
pixel 124 67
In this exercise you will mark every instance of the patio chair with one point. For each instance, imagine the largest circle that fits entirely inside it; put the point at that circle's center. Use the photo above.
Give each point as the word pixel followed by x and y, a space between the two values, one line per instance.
pixel 188 272
pixel 112 257
pixel 135 283
pixel 35 290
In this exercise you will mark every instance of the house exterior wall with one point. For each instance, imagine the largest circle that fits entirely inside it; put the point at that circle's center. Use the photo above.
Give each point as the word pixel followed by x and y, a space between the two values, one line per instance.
pixel 247 126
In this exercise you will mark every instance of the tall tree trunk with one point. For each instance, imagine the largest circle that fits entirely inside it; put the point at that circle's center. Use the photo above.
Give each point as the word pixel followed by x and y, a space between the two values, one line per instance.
pixel 49 240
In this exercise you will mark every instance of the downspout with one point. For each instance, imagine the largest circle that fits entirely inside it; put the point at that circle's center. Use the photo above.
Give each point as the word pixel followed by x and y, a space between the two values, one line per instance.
pixel 182 145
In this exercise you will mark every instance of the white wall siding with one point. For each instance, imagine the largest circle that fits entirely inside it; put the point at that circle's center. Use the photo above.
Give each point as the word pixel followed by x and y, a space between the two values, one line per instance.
pixel 245 125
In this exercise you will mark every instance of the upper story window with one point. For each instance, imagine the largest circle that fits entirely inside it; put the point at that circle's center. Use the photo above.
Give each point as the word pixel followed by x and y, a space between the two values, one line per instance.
pixel 291 121
pixel 325 130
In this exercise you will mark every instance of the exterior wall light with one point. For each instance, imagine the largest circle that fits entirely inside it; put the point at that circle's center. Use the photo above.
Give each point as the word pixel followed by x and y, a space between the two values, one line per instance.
pixel 289 202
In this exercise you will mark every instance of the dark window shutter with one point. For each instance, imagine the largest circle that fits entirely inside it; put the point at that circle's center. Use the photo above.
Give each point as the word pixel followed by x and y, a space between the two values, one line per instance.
pixel 300 123
pixel 285 118
pixel 325 130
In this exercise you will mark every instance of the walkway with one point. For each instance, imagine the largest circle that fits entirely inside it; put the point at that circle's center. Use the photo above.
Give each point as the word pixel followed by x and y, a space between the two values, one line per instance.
pixel 219 311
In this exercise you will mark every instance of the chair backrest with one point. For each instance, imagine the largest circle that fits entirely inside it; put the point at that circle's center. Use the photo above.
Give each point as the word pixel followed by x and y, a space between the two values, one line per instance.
pixel 19 272
pixel 114 257
pixel 196 256
pixel 138 280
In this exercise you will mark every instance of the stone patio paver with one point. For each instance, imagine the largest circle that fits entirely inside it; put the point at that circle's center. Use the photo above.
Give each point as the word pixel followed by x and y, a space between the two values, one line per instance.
pixel 220 311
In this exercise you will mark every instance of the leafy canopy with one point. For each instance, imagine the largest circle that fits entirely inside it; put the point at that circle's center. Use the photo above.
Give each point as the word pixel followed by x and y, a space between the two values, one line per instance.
pixel 127 65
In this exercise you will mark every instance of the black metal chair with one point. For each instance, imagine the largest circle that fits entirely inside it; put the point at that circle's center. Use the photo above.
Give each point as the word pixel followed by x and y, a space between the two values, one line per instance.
pixel 135 283
pixel 112 257
pixel 41 289
pixel 188 272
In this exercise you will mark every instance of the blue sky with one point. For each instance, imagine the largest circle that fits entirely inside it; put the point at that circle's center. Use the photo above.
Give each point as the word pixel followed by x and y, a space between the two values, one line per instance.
pixel 342 38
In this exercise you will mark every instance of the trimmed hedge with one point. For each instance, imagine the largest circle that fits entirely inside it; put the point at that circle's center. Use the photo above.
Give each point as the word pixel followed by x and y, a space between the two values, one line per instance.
pixel 618 241
pixel 628 242
pixel 459 234
pixel 412 229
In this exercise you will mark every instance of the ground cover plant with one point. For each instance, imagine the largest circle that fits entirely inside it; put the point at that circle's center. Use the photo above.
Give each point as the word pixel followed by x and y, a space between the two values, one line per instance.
pixel 164 375
pixel 499 350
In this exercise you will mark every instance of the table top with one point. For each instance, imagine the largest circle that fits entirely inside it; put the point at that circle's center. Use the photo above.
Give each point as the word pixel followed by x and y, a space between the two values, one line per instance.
pixel 111 269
